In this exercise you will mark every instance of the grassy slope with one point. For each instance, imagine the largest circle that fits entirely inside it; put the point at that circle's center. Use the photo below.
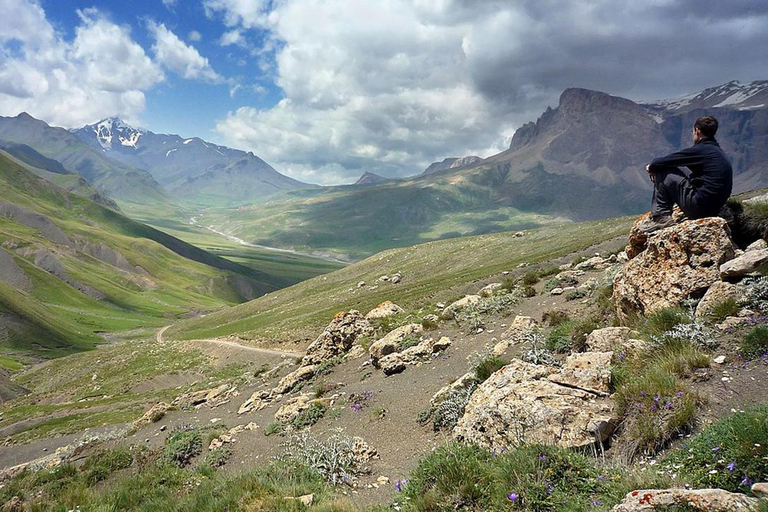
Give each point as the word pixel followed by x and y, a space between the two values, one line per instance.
pixel 283 268
pixel 54 318
pixel 359 221
pixel 431 272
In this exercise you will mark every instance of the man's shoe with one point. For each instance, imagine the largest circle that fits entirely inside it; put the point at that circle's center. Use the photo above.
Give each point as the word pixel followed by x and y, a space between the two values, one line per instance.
pixel 652 225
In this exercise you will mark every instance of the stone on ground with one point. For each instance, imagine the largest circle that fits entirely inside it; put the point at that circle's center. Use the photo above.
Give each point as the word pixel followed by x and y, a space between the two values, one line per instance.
pixel 384 310
pixel 748 262
pixel 608 338
pixel 389 343
pixel 719 292
pixel 704 500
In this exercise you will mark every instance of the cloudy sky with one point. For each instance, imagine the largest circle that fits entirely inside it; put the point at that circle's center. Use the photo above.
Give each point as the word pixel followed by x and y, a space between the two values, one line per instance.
pixel 325 90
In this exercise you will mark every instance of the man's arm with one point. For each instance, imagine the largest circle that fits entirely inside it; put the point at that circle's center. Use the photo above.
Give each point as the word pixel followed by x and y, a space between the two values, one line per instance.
pixel 685 157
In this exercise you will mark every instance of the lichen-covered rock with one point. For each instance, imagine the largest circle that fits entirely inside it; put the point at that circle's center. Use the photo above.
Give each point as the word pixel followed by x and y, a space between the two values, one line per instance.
pixel 719 292
pixel 384 310
pixel 590 371
pixel 742 265
pixel 291 380
pixel 679 262
pixel 390 343
pixel 490 290
pixel 515 332
pixel 760 489
pixel 337 338
pixel 155 413
pixel 463 303
pixel 608 338
pixel 258 401
pixel 297 405
pixel 638 239
pixel 757 245
pixel 704 500
pixel 212 397
pixel 519 404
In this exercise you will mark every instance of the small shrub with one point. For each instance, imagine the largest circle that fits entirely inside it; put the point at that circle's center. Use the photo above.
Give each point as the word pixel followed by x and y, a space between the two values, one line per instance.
pixel 333 458
pixel 559 338
pixel 554 317
pixel 531 278
pixel 575 295
pixel 538 353
pixel 754 344
pixel 430 322
pixel 528 291
pixel 683 333
pixel 215 459
pixel 560 282
pixel 274 428
pixel 102 464
pixel 730 454
pixel 182 445
pixel 508 283
pixel 423 416
pixel 446 415
pixel 326 366
pixel 757 293
pixel 262 369
pixel 581 330
pixel 407 342
pixel 321 389
pixel 310 416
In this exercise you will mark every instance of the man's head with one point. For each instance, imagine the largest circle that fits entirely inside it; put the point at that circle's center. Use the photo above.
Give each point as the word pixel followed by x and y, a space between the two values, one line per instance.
pixel 705 127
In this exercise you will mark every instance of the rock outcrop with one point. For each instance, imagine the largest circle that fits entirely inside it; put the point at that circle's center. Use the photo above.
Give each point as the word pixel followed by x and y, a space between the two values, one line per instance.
pixel 704 500
pixel 396 362
pixel 338 337
pixel 678 263
pixel 384 310
pixel 528 403
pixel 390 343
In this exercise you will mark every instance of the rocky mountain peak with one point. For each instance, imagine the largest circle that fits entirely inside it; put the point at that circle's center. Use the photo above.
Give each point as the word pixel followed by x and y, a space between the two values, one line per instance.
pixel 112 131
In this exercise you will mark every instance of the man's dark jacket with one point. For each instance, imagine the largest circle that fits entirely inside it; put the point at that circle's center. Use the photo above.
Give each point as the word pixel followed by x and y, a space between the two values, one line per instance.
pixel 711 173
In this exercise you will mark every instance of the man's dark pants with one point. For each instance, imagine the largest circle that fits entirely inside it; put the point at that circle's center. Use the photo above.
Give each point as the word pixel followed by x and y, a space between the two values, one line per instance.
pixel 672 187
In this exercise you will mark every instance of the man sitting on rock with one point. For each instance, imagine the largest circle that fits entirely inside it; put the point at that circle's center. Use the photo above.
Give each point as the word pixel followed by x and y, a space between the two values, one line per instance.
pixel 699 194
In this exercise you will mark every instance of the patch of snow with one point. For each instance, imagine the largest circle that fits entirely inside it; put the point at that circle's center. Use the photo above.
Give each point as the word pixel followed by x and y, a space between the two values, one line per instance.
pixel 203 143
pixel 132 140
pixel 170 151
pixel 658 119
pixel 222 154
pixel 753 107
pixel 187 141
pixel 738 97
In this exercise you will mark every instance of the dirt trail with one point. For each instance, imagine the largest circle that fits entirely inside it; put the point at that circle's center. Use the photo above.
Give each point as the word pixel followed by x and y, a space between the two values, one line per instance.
pixel 232 344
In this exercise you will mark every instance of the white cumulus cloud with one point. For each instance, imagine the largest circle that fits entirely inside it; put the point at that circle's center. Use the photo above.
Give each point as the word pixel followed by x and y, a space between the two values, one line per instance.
pixel 174 54
pixel 69 83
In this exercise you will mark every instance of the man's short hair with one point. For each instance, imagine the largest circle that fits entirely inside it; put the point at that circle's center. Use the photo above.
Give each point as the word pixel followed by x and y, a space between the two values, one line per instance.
pixel 707 125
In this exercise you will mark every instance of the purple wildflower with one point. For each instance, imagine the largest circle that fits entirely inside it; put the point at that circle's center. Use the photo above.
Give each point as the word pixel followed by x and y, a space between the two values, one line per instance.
pixel 680 394
pixel 513 497
pixel 669 405
pixel 596 502
pixel 549 488
pixel 716 449
pixel 657 398
pixel 653 407
pixel 542 457
pixel 400 484
pixel 746 481
pixel 731 466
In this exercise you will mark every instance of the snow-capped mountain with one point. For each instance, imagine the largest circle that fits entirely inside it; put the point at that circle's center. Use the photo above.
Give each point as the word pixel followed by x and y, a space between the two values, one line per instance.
pixel 114 130
pixel 733 95
pixel 192 169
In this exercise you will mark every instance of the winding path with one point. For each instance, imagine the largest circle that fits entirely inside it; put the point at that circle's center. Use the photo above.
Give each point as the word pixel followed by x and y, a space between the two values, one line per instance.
pixel 232 344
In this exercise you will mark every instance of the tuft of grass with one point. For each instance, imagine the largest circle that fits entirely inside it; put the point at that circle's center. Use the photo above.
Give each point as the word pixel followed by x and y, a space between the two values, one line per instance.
pixel 664 320
pixel 575 295
pixel 554 317
pixel 488 366
pixel 754 344
pixel 656 404
pixel 309 417
pixel 274 428
pixel 408 342
pixel 528 478
pixel 730 454
pixel 183 445
pixel 101 465
pixel 531 278
pixel 581 330
pixel 723 309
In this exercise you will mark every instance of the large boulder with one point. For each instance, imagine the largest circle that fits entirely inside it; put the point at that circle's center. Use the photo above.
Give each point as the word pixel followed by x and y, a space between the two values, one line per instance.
pixel 338 337
pixel 391 342
pixel 679 262
pixel 704 500
pixel 608 338
pixel 521 404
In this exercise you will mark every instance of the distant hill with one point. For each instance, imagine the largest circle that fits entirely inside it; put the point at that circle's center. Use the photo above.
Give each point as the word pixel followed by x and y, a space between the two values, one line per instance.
pixel 582 160
pixel 370 178
pixel 191 169
pixel 115 179
pixel 70 268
